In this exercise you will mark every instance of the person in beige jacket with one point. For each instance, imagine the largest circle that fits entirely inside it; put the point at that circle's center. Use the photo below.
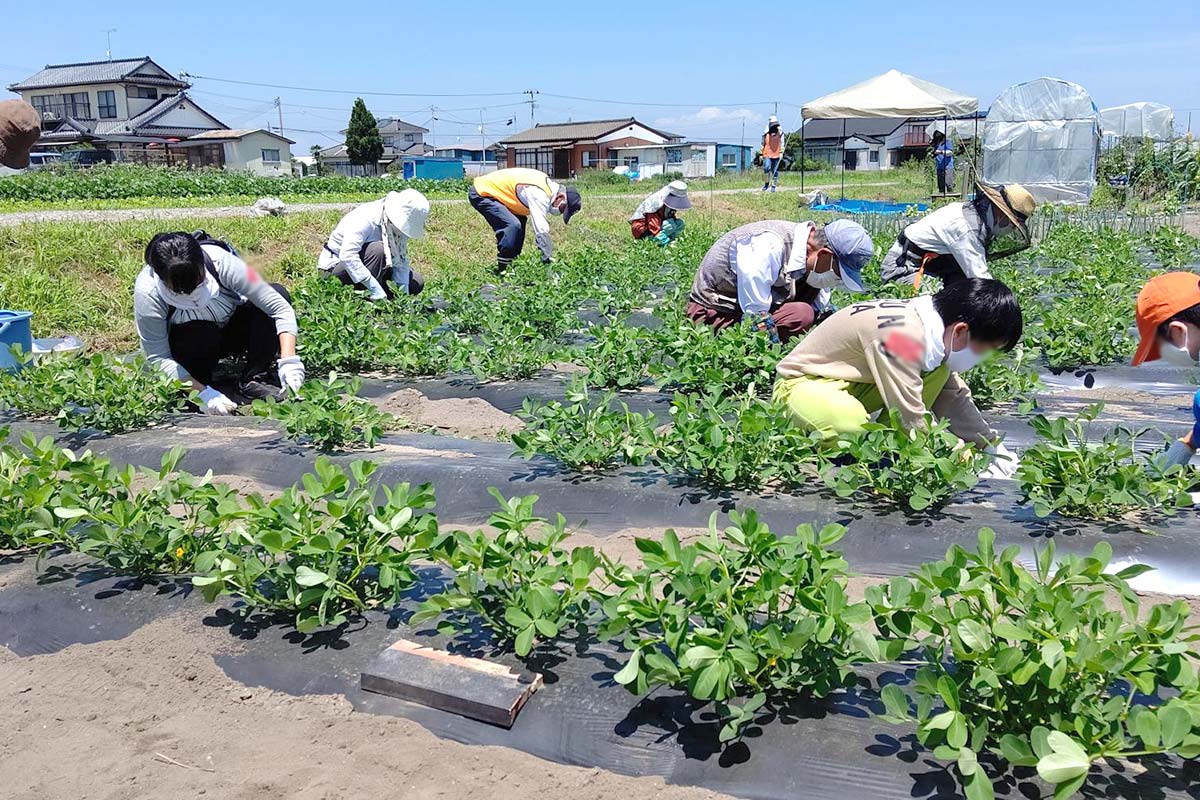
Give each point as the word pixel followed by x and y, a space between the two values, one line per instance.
pixel 902 355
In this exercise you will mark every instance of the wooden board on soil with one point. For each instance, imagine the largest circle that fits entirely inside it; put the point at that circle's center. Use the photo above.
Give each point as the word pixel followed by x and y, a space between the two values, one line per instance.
pixel 471 687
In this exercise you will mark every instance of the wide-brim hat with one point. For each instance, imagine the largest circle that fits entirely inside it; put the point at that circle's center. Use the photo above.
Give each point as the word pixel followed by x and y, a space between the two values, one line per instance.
pixel 1161 298
pixel 574 204
pixel 20 128
pixel 407 211
pixel 1013 201
pixel 677 196
pixel 852 247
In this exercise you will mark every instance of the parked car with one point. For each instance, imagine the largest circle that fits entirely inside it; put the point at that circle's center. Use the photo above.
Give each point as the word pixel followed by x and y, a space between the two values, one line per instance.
pixel 42 160
pixel 87 158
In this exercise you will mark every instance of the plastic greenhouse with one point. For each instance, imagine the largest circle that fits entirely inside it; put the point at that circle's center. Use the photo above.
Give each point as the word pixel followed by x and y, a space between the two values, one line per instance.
pixel 1044 134
pixel 1152 121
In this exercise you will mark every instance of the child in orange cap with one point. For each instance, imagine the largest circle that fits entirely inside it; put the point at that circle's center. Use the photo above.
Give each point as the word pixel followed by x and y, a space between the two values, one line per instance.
pixel 1168 321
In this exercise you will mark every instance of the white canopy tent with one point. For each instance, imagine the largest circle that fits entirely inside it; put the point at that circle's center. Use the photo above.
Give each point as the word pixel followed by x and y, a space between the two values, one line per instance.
pixel 892 94
pixel 1043 134
pixel 1152 121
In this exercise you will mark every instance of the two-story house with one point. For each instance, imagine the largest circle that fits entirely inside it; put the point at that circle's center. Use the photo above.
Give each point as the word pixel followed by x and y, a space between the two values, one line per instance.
pixel 400 139
pixel 139 112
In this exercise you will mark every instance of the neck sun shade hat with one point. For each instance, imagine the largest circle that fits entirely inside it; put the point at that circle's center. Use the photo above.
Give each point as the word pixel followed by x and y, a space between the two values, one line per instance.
pixel 407 211
pixel 677 196
pixel 853 248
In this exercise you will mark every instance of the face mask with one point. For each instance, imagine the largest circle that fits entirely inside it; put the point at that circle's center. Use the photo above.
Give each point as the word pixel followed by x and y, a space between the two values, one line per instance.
pixel 1175 355
pixel 194 300
pixel 822 280
pixel 963 360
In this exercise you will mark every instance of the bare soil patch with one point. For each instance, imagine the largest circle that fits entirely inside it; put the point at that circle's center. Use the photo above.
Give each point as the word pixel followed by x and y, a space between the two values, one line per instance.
pixel 468 418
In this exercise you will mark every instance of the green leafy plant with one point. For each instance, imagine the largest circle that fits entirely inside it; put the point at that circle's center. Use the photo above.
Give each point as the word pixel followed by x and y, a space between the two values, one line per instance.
pixel 738 613
pixel 1173 247
pixel 1032 664
pixel 329 415
pixel 738 360
pixel 1074 473
pixel 1005 378
pixel 620 357
pixel 99 391
pixel 521 582
pixel 919 468
pixel 324 551
pixel 744 443
pixel 154 522
pixel 586 434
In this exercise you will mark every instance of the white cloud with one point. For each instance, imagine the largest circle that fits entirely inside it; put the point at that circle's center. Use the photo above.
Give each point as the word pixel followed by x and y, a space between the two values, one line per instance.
pixel 711 116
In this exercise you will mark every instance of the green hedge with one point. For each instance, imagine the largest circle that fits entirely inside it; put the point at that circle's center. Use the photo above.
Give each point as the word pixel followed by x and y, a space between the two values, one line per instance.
pixel 122 181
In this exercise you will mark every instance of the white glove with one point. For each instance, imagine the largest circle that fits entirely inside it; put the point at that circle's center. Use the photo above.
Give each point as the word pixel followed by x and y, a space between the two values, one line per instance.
pixel 1004 462
pixel 1179 454
pixel 216 403
pixel 291 373
pixel 400 277
pixel 374 290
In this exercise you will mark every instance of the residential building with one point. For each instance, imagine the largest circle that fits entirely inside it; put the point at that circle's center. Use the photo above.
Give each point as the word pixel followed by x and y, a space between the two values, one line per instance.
pixel 562 149
pixel 689 159
pixel 870 144
pixel 400 139
pixel 132 107
pixel 254 150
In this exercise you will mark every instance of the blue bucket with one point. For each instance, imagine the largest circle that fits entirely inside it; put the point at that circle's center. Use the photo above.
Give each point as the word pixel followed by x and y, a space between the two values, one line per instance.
pixel 14 330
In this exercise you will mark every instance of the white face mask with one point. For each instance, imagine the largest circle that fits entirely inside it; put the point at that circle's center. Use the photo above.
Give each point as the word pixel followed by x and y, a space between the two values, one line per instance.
pixel 197 299
pixel 1175 355
pixel 963 360
pixel 822 280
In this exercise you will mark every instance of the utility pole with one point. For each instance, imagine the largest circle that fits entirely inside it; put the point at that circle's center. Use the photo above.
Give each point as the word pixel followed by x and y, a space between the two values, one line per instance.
pixel 108 38
pixel 482 143
pixel 433 128
pixel 279 108
pixel 532 103
pixel 742 149
pixel 776 108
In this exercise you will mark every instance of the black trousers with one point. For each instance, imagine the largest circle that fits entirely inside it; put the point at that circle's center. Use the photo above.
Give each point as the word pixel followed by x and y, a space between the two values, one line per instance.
pixel 374 258
pixel 199 346
pixel 508 227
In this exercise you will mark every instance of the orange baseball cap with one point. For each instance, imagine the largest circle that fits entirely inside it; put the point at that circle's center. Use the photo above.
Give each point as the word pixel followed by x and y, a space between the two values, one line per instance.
pixel 1161 298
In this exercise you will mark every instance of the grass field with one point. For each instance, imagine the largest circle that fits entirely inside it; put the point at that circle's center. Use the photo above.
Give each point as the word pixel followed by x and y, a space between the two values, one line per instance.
pixel 903 185
pixel 77 277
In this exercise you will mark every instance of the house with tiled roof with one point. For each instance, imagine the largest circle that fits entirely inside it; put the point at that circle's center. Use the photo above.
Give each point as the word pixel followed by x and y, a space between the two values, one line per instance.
pixel 562 149
pixel 133 108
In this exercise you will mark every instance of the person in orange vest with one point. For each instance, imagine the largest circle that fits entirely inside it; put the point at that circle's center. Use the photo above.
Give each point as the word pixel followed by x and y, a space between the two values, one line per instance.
pixel 772 153
pixel 510 198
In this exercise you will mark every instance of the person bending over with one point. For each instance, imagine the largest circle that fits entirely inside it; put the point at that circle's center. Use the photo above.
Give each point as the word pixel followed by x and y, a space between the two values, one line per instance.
pixel 902 355
pixel 777 275
pixel 369 246
pixel 657 217
pixel 196 302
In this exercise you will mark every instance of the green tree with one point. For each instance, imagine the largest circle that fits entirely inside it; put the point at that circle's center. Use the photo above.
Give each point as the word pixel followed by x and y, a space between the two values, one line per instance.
pixel 364 145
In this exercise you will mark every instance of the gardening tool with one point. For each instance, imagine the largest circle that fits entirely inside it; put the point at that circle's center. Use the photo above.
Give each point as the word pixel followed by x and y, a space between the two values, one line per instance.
pixel 15 332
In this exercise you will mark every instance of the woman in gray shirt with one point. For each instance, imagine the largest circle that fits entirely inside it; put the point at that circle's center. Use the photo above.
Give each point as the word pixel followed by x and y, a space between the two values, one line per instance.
pixel 196 303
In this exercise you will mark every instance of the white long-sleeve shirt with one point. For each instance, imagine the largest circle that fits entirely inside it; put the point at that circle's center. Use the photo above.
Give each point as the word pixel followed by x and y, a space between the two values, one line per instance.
pixel 947 232
pixel 538 203
pixel 758 260
pixel 356 230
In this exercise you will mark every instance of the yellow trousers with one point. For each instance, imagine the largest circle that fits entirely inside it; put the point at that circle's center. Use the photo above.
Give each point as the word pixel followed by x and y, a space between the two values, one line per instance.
pixel 832 407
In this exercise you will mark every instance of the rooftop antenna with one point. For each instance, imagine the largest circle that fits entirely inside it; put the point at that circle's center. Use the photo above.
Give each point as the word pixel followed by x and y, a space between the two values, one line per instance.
pixel 108 38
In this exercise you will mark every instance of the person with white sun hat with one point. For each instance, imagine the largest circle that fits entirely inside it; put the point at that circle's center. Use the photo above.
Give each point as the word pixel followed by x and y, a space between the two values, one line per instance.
pixel 657 217
pixel 369 246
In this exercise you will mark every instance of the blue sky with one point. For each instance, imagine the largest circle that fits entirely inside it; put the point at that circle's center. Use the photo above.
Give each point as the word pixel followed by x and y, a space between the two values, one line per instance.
pixel 716 64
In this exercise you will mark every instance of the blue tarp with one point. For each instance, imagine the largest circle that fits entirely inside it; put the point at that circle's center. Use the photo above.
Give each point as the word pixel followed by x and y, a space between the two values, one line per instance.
pixel 869 207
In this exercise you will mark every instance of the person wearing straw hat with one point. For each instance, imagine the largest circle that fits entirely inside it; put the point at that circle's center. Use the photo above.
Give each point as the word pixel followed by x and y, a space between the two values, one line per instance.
pixel 369 246
pixel 1168 322
pixel 778 275
pixel 20 128
pixel 772 153
pixel 509 199
pixel 658 215
pixel 959 239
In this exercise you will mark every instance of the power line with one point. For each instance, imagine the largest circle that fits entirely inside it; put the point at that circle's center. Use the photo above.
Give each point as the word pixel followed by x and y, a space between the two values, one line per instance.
pixel 657 105
pixel 192 76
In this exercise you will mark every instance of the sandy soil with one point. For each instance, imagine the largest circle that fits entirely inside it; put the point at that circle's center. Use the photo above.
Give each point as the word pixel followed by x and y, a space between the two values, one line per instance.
pixel 469 418
pixel 91 721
